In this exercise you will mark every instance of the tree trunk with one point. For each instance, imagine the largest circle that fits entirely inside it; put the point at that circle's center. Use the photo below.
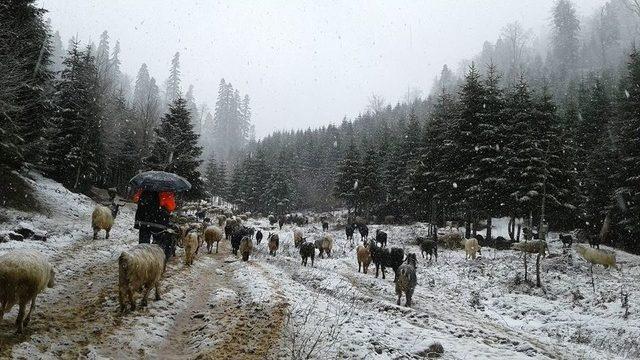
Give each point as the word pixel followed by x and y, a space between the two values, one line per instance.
pixel 538 283
pixel 489 224
pixel 511 227
pixel 519 228
pixel 467 229
pixel 525 266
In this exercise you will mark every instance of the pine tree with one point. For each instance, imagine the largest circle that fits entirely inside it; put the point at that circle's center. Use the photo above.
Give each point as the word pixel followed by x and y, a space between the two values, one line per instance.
pixel 565 42
pixel 629 172
pixel 280 192
pixel 146 107
pixel 347 180
pixel 406 167
pixel 596 165
pixel 524 153
pixel 433 177
pixel 193 109
pixel 175 149
pixel 173 90
pixel 369 188
pixel 469 158
pixel 77 157
pixel 25 83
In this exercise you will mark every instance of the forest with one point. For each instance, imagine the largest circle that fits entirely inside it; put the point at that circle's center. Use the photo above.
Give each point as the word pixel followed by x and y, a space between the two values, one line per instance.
pixel 521 130
pixel 542 125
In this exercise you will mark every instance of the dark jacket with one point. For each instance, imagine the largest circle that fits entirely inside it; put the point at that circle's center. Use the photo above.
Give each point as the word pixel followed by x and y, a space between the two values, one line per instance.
pixel 150 212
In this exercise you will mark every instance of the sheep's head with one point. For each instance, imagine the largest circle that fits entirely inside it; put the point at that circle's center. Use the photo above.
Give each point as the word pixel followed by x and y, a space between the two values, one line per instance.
pixel 114 210
pixel 52 277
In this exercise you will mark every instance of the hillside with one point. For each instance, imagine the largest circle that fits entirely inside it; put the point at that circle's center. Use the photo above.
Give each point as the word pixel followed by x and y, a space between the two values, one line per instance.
pixel 222 308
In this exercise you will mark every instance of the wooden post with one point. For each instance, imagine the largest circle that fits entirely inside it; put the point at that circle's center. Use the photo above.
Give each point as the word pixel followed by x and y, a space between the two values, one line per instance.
pixel 525 266
pixel 593 285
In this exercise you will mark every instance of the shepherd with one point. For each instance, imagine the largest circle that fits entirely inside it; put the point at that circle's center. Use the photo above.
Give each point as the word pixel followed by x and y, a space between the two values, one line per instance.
pixel 155 196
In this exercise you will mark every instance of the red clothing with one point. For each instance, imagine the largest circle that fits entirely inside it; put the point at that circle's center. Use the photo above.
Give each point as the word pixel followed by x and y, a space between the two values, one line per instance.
pixel 166 199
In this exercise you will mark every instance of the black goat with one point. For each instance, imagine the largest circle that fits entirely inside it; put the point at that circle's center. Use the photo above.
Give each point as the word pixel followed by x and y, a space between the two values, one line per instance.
pixel 258 237
pixel 428 246
pixel 237 236
pixel 364 232
pixel 381 238
pixel 307 250
pixel 567 240
pixel 349 230
pixel 395 259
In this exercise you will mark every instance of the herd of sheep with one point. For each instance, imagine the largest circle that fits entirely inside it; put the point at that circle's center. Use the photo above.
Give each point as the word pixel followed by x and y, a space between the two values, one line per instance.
pixel 25 274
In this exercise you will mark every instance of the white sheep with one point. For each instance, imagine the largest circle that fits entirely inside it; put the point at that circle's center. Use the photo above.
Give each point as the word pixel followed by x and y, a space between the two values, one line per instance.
pixel 191 243
pixel 596 256
pixel 297 237
pixel 23 275
pixel 140 269
pixel 102 219
pixel 213 234
pixel 471 247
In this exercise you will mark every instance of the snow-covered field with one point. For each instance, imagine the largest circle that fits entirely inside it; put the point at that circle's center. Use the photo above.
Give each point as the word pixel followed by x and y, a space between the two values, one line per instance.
pixel 272 307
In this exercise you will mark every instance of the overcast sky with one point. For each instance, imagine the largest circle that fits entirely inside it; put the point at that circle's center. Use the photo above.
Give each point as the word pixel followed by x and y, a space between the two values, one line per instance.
pixel 303 63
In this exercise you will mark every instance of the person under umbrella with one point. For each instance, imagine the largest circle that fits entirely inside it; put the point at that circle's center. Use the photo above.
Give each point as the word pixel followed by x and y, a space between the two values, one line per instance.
pixel 155 197
pixel 152 215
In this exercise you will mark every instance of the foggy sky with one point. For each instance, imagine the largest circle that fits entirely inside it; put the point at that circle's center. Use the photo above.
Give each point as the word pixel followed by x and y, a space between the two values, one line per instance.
pixel 303 63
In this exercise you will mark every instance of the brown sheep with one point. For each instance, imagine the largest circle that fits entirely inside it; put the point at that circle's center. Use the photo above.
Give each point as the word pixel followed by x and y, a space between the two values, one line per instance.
pixel 364 258
pixel 212 234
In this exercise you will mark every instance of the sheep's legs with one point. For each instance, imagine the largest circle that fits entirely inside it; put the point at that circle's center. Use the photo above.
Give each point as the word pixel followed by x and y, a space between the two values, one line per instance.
pixel 399 296
pixel 107 233
pixel 217 242
pixel 409 296
pixel 130 297
pixel 20 319
pixel 359 265
pixel 157 290
pixel 28 317
pixel 145 295
pixel 122 299
pixel 95 233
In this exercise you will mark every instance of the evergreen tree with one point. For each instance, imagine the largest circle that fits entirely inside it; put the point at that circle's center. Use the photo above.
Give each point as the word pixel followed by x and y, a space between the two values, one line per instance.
pixel 629 172
pixel 368 193
pixel 468 143
pixel 596 165
pixel 524 153
pixel 347 180
pixel 77 157
pixel 146 107
pixel 173 90
pixel 175 149
pixel 280 193
pixel 565 43
pixel 25 75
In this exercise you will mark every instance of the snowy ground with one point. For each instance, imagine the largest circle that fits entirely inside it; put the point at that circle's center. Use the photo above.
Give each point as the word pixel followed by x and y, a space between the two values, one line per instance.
pixel 271 307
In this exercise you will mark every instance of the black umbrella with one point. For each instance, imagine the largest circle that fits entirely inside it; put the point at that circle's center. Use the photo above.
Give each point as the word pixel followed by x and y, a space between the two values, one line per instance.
pixel 159 181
